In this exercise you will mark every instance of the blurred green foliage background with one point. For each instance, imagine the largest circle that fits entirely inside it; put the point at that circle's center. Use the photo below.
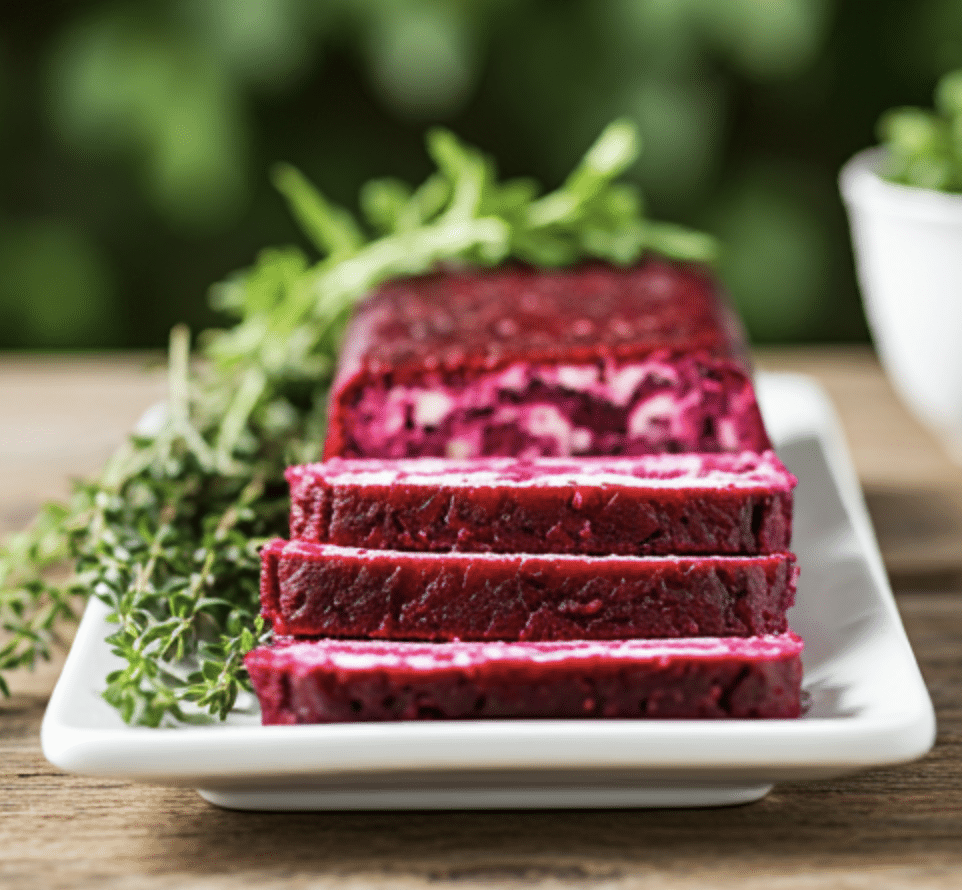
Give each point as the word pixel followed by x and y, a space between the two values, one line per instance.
pixel 136 137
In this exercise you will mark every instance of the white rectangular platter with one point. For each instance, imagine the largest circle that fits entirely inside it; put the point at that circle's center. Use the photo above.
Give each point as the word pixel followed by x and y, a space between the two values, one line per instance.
pixel 867 703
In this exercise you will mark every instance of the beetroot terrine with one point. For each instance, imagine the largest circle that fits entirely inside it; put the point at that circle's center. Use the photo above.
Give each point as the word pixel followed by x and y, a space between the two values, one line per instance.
pixel 650 505
pixel 328 681
pixel 594 360
pixel 312 589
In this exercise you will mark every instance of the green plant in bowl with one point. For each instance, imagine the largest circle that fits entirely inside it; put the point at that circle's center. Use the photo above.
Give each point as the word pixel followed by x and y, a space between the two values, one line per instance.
pixel 924 147
pixel 904 201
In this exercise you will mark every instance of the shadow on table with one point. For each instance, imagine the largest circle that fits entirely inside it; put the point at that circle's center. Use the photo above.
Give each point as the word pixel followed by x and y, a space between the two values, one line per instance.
pixel 868 820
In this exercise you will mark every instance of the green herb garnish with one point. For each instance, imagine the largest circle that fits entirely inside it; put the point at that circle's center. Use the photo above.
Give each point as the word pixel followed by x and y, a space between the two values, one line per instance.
pixel 925 147
pixel 168 535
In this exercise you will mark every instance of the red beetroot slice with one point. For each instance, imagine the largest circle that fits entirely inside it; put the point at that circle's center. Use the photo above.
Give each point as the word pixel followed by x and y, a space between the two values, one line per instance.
pixel 593 360
pixel 650 505
pixel 325 681
pixel 310 589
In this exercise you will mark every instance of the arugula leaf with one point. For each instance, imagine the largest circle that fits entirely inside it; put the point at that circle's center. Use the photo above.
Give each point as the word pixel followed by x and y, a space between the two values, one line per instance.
pixel 168 535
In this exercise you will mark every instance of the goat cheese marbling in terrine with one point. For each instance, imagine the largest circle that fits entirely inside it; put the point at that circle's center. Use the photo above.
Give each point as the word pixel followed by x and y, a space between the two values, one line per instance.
pixel 592 360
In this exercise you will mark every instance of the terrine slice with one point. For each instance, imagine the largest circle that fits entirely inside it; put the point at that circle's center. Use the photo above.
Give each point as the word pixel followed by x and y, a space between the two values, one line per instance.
pixel 325 681
pixel 592 360
pixel 310 589
pixel 649 505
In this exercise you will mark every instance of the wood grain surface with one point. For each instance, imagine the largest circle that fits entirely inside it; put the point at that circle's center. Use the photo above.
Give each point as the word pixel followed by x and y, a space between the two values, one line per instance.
pixel 890 828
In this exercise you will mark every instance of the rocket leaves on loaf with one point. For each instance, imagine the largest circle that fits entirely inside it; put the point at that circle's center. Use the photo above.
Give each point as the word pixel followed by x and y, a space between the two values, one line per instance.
pixel 168 535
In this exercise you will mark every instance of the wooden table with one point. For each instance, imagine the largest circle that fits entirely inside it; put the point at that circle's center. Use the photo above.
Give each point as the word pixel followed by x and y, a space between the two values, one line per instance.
pixel 887 828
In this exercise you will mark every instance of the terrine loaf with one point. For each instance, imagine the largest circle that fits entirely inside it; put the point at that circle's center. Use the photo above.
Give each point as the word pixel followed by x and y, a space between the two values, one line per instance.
pixel 353 680
pixel 516 361
pixel 310 589
pixel 648 505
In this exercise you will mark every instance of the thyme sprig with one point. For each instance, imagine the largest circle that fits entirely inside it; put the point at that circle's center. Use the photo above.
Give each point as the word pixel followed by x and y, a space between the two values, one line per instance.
pixel 168 535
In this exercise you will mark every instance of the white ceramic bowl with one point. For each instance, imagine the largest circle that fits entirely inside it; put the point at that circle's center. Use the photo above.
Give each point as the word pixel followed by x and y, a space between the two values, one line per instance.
pixel 908 251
